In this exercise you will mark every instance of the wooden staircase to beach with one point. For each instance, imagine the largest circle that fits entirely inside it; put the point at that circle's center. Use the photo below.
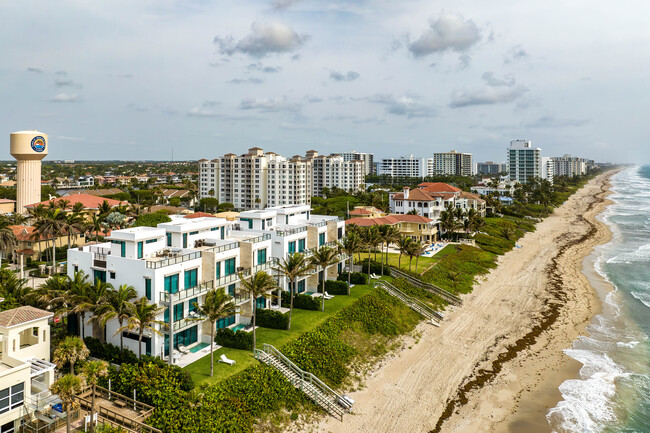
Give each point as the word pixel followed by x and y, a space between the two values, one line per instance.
pixel 335 404
pixel 449 297
pixel 419 307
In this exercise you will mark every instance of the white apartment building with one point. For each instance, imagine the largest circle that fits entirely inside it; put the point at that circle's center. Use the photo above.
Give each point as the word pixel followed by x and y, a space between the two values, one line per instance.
pixel 524 161
pixel 26 372
pixel 175 264
pixel 334 171
pixel 547 171
pixel 257 180
pixel 406 166
pixel 453 163
pixel 568 165
pixel 367 158
pixel 490 168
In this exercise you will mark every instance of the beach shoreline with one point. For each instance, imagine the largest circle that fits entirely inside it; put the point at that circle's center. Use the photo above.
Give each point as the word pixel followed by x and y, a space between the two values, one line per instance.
pixel 488 342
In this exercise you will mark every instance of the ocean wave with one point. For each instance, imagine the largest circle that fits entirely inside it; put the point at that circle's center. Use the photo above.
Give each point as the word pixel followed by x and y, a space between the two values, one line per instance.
pixel 641 254
pixel 629 345
pixel 644 297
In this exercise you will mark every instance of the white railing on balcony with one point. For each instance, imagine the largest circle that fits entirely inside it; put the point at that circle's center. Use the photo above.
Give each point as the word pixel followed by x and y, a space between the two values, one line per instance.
pixel 156 264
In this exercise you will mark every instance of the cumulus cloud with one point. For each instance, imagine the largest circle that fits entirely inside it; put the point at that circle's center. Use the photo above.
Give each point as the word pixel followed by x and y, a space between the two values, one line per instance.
pixel 514 54
pixel 407 105
pixel 449 32
pixel 246 81
pixel 258 66
pixel 495 91
pixel 264 39
pixel 66 97
pixel 349 76
pixel 201 113
pixel 270 105
pixel 35 70
pixel 283 4
pixel 464 61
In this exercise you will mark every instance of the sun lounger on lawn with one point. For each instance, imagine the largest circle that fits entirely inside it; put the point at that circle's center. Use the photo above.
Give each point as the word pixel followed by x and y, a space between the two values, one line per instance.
pixel 225 359
pixel 328 296
pixel 373 276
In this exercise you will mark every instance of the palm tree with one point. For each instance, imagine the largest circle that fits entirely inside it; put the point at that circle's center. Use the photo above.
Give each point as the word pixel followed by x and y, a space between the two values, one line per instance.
pixel 7 236
pixel 350 245
pixel 73 224
pixel 418 249
pixel 323 257
pixel 369 236
pixel 448 220
pixel 391 235
pixel 90 301
pixel 67 389
pixel 404 246
pixel 258 285
pixel 143 318
pixel 50 225
pixel 293 267
pixel 217 305
pixel 70 350
pixel 79 297
pixel 118 305
pixel 14 290
pixel 95 224
pixel 104 209
pixel 92 371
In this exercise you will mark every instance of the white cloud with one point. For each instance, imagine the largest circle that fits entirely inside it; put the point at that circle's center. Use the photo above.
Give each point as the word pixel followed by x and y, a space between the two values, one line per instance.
pixel 495 91
pixel 449 32
pixel 264 38
pixel 514 54
pixel 349 76
pixel 201 113
pixel 406 105
pixel 269 105
pixel 66 97
pixel 251 80
pixel 283 4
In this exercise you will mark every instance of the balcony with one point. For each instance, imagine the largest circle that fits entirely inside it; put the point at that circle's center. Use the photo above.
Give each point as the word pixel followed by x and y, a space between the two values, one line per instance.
pixel 192 292
pixel 222 248
pixel 290 232
pixel 264 266
pixel 156 264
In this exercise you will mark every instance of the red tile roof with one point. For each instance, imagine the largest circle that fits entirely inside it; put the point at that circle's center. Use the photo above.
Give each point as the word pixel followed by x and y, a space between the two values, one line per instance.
pixel 438 187
pixel 88 201
pixel 20 315
pixel 390 220
pixel 471 196
pixel 199 215
pixel 360 212
pixel 418 195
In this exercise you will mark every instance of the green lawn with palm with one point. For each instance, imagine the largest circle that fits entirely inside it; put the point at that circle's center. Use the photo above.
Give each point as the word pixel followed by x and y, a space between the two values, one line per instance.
pixel 302 321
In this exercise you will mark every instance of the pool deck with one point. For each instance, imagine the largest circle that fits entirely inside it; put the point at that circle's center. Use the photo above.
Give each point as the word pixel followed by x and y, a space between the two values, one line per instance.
pixel 188 358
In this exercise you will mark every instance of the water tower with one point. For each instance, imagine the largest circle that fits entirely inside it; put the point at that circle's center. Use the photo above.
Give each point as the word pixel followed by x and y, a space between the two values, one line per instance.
pixel 28 147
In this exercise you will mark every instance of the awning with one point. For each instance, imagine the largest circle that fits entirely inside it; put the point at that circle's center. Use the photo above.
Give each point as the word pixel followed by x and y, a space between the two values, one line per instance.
pixel 40 366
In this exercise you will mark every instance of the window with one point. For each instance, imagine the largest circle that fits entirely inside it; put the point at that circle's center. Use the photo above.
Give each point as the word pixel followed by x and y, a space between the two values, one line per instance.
pixel 260 302
pixel 229 267
pixel 169 239
pixel 321 239
pixel 231 289
pixel 301 286
pixel 171 283
pixel 301 245
pixel 8 428
pixel 11 398
pixel 112 275
pixel 147 288
pixel 217 272
pixel 151 241
pixel 222 231
pixel 261 256
pixel 292 247
pixel 99 275
pixel 178 312
pixel 192 304
pixel 191 278
pixel 225 322
pixel 340 232
pixel 35 331
pixel 184 240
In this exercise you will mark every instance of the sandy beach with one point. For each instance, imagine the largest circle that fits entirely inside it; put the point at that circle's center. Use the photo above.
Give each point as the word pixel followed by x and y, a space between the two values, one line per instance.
pixel 496 362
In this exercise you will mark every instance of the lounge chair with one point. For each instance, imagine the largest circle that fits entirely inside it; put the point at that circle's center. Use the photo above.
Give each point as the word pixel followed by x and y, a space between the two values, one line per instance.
pixel 183 349
pixel 225 360
pixel 374 277
pixel 328 296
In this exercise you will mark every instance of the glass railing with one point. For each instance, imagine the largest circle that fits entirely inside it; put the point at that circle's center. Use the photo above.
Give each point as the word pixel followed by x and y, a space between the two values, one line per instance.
pixel 228 279
pixel 192 292
pixel 264 266
pixel 291 231
pixel 260 238
pixel 317 223
pixel 222 248
pixel 173 260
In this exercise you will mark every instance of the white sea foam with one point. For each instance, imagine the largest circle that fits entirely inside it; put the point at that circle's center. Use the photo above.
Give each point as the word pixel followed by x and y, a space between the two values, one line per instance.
pixel 644 297
pixel 641 254
pixel 629 345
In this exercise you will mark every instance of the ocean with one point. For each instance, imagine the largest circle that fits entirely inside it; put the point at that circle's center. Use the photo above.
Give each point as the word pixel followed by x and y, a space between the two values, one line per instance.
pixel 613 391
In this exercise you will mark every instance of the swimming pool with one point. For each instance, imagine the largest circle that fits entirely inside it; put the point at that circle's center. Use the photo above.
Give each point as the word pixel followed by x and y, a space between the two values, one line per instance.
pixel 198 347
pixel 238 327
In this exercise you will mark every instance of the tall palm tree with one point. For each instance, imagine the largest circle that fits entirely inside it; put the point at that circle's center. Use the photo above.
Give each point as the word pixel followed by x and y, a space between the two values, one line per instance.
pixel 390 235
pixel 67 389
pixel 418 249
pixel 448 220
pixel 104 209
pixel 50 225
pixel 69 351
pixel 404 246
pixel 258 285
pixel 7 237
pixel 118 305
pixel 89 301
pixel 95 224
pixel 323 257
pixel 293 267
pixel 92 371
pixel 79 297
pixel 217 305
pixel 14 290
pixel 143 318
pixel 369 236
pixel 73 224
pixel 350 245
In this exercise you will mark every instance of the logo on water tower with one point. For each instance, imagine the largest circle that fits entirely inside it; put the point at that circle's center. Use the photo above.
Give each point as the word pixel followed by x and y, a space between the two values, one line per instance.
pixel 38 144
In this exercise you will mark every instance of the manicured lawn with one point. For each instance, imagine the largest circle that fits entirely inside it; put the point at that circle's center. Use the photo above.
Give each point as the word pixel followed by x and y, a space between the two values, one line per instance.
pixel 449 249
pixel 301 321
pixel 393 259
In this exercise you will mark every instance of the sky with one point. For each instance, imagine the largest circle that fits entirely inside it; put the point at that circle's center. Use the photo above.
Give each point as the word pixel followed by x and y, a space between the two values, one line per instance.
pixel 140 79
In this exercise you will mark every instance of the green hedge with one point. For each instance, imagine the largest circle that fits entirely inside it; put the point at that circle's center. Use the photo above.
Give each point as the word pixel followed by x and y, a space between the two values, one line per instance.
pixel 336 287
pixel 355 278
pixel 493 244
pixel 226 337
pixel 301 302
pixel 271 319
pixel 375 267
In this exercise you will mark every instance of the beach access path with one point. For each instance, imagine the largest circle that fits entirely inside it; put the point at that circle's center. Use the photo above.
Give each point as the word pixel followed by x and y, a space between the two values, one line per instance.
pixel 411 389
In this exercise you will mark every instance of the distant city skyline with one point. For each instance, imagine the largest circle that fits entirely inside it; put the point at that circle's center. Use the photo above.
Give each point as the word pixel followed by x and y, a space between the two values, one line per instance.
pixel 132 80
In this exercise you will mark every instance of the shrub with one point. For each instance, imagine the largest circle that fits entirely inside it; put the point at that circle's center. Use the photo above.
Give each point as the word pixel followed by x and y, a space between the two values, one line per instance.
pixel 375 267
pixel 336 287
pixel 301 302
pixel 355 278
pixel 271 319
pixel 151 219
pixel 493 244
pixel 226 337
pixel 457 272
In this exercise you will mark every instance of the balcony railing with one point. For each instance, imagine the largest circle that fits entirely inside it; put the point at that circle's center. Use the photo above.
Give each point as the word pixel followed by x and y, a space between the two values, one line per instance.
pixel 173 260
pixel 231 278
pixel 317 223
pixel 192 292
pixel 291 231
pixel 222 248
pixel 273 261
pixel 260 238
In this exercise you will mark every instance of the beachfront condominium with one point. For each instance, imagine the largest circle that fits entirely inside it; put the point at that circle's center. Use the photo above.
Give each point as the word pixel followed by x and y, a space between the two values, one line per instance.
pixel 547 171
pixel 256 180
pixel 174 265
pixel 490 168
pixel 406 166
pixel 524 161
pixel 453 163
pixel 335 172
pixel 367 158
pixel 568 165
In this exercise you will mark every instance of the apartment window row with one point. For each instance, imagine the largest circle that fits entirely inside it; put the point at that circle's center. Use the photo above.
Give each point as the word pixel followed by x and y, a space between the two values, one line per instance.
pixel 12 397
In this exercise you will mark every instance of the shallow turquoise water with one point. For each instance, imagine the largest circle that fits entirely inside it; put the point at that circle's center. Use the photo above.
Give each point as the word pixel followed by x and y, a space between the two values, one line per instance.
pixel 198 347
pixel 238 327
